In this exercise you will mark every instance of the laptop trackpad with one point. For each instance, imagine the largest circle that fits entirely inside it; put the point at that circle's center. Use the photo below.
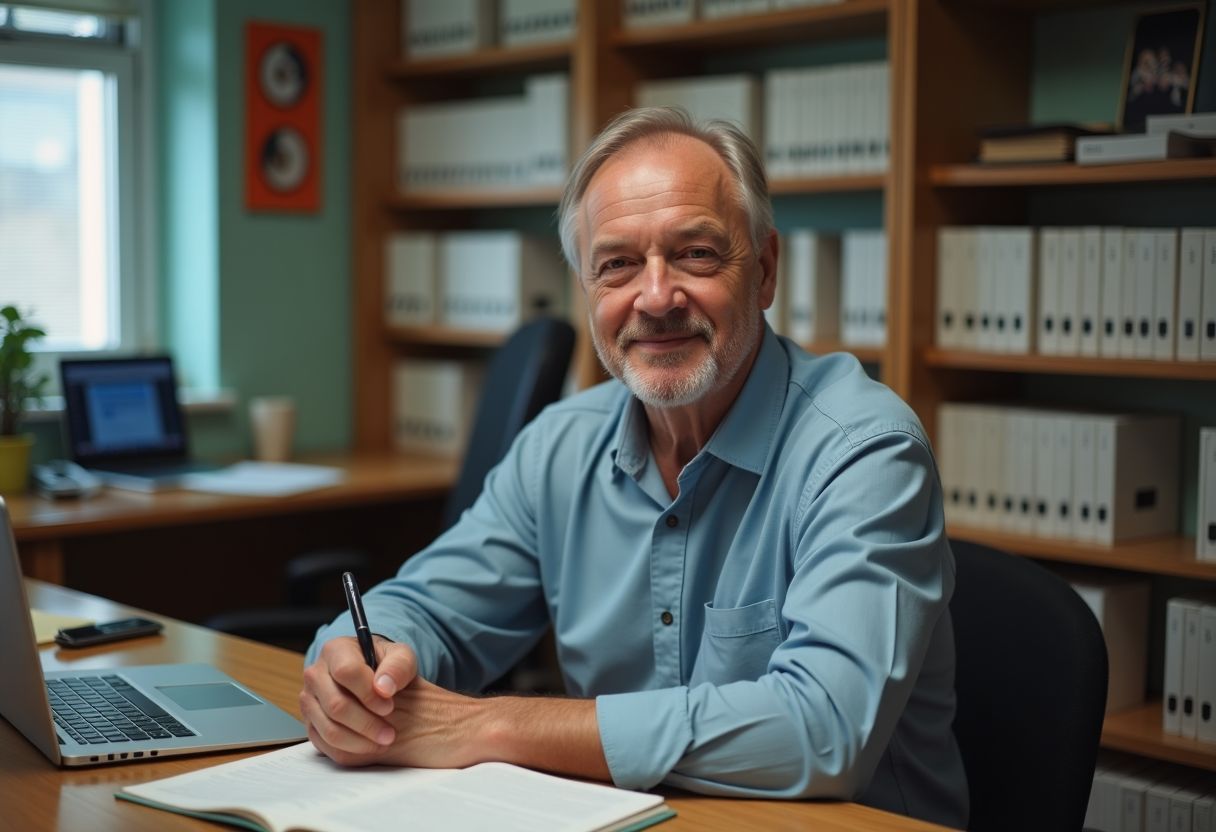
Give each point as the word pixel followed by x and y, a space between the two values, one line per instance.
pixel 209 696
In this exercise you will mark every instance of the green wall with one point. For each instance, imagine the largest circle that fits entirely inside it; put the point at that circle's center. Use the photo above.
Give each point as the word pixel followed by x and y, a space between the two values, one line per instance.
pixel 259 303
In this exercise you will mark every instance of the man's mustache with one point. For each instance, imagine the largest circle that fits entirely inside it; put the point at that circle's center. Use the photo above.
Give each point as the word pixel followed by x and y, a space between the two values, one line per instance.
pixel 680 325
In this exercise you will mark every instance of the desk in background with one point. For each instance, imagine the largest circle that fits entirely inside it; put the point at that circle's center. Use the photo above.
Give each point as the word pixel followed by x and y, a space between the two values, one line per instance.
pixel 37 796
pixel 123 544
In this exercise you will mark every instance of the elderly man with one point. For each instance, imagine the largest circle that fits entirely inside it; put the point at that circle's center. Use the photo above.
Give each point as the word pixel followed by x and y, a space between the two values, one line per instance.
pixel 740 546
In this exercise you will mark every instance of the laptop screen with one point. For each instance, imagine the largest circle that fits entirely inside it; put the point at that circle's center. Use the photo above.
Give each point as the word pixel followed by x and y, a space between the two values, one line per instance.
pixel 122 409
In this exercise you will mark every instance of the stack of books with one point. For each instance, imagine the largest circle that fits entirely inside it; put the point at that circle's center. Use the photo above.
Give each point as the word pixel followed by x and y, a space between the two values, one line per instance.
pixel 1034 142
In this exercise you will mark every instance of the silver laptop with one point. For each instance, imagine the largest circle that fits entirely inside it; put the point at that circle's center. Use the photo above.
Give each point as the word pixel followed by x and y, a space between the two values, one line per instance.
pixel 125 424
pixel 87 717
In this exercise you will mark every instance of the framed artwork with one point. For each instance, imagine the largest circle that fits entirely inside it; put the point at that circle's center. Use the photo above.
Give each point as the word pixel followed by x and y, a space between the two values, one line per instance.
pixel 1160 65
pixel 282 118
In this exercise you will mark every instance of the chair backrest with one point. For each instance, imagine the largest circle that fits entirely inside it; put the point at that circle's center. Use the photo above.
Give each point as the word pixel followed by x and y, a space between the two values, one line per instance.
pixel 526 373
pixel 1031 683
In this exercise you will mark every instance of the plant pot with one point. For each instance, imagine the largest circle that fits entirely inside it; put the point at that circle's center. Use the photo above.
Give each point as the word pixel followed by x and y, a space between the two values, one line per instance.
pixel 15 463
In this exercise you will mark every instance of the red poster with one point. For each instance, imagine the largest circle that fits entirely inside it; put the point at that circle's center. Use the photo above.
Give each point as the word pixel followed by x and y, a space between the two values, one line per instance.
pixel 282 118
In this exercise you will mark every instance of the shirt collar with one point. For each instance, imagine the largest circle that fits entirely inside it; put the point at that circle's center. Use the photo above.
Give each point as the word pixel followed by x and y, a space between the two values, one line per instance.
pixel 745 434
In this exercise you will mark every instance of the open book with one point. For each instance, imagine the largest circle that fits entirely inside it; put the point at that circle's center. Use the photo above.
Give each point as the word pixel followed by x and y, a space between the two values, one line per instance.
pixel 297 788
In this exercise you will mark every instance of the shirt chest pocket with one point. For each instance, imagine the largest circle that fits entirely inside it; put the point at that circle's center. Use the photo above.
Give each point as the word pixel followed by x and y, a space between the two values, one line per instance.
pixel 737 643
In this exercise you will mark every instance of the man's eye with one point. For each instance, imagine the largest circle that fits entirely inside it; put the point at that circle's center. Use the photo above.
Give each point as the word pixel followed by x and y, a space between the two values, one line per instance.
pixel 613 264
pixel 699 253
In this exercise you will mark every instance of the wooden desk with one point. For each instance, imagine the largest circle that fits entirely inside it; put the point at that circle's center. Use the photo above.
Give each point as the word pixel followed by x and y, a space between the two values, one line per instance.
pixel 42 526
pixel 36 796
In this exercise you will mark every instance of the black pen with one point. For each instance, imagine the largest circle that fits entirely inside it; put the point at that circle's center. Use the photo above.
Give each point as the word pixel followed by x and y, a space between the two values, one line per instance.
pixel 362 631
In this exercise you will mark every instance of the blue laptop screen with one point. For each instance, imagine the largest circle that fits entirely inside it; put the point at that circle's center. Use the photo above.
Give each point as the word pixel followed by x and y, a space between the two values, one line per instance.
pixel 122 408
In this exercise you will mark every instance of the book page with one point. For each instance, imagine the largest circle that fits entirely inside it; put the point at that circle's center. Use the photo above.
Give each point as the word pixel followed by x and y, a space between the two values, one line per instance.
pixel 496 796
pixel 298 788
pixel 279 785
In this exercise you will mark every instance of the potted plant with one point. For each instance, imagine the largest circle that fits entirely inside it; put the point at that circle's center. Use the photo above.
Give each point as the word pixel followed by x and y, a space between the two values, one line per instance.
pixel 20 385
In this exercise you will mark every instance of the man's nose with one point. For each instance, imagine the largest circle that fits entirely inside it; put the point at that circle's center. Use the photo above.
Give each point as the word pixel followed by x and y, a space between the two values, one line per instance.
pixel 660 291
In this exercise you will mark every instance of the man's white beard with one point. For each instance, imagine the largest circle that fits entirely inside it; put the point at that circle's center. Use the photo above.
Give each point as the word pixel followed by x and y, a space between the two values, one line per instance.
pixel 717 369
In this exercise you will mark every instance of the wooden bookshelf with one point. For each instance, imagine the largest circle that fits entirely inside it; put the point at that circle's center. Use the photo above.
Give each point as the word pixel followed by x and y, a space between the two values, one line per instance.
pixel 1066 173
pixel 1138 731
pixel 866 355
pixel 469 199
pixel 1171 555
pixel 1070 365
pixel 828 184
pixel 539 58
pixel 445 336
pixel 854 18
pixel 956 67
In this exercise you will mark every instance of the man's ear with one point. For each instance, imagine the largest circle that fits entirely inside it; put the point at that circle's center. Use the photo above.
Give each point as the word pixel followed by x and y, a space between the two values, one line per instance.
pixel 769 252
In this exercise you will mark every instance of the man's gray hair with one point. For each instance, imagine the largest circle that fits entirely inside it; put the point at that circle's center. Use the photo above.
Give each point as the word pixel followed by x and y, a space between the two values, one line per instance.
pixel 739 152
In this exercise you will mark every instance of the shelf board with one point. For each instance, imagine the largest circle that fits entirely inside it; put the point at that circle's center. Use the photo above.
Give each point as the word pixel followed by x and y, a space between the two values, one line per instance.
pixel 828 184
pixel 1171 555
pixel 495 59
pixel 866 355
pixel 457 200
pixel 445 336
pixel 1067 173
pixel 1070 365
pixel 1138 731
pixel 853 18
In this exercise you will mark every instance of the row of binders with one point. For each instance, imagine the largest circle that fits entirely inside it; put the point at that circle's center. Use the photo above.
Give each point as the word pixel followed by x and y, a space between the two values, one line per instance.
pixel 1205 526
pixel 439 28
pixel 500 142
pixel 1147 293
pixel 832 287
pixel 639 14
pixel 1133 794
pixel 810 121
pixel 434 402
pixel 490 281
pixel 1189 684
pixel 1096 477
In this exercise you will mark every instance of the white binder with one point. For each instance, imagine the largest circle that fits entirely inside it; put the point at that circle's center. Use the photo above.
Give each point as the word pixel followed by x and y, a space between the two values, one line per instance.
pixel 640 14
pixel 815 286
pixel 1061 479
pixel 1146 290
pixel 1205 520
pixel 987 253
pixel 411 268
pixel 1171 685
pixel 1207 331
pixel 967 285
pixel 1190 288
pixel 1127 296
pixel 1049 291
pixel 1023 288
pixel 1205 729
pixel 1044 471
pixel 972 478
pixel 949 241
pixel 1023 429
pixel 992 464
pixel 947 449
pixel 1089 319
pixel 1084 474
pixel 1069 305
pixel 1165 294
pixel 1189 688
pixel 1112 289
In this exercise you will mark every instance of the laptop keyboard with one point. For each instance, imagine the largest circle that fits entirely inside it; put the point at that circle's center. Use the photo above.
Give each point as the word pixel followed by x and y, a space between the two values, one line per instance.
pixel 100 709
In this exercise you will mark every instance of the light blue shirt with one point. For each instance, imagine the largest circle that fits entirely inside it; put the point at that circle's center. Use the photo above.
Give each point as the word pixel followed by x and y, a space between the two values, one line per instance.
pixel 780 629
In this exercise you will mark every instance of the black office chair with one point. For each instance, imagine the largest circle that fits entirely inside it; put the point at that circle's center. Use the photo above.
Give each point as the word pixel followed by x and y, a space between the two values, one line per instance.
pixel 524 375
pixel 1031 683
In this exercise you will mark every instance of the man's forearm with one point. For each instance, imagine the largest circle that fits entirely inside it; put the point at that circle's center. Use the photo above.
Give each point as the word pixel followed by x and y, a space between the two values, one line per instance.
pixel 558 735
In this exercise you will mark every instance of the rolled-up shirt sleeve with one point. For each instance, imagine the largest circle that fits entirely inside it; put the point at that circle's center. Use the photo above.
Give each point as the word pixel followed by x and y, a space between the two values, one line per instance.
pixel 871 576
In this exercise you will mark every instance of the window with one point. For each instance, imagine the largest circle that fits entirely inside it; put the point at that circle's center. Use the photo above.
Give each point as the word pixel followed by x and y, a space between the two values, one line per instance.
pixel 69 182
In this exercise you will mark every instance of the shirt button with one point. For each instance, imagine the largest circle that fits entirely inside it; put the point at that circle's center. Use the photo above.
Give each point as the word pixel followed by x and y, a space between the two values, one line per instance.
pixel 672 521
pixel 667 617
